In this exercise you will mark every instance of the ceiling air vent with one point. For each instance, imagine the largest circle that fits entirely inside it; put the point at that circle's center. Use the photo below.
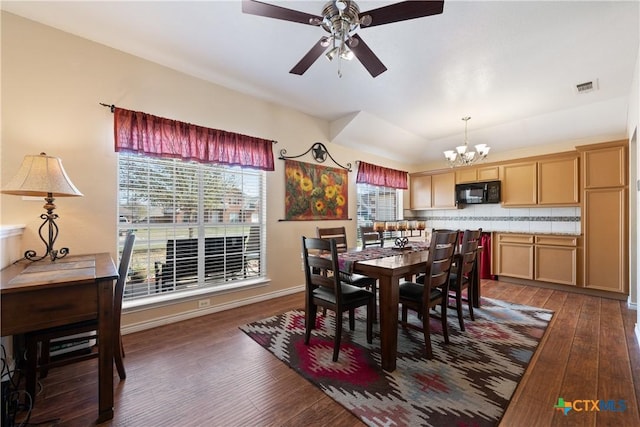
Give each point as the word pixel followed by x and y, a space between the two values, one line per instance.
pixel 587 87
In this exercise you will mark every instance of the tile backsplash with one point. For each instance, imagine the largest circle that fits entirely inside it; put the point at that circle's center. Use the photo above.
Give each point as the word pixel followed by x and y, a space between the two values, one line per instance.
pixel 490 217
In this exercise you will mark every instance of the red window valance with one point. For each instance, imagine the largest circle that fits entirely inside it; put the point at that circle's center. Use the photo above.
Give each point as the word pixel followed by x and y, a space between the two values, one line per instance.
pixel 157 136
pixel 381 176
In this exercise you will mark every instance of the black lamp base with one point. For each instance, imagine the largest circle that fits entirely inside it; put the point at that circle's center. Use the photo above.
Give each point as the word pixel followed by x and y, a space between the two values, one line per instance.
pixel 49 220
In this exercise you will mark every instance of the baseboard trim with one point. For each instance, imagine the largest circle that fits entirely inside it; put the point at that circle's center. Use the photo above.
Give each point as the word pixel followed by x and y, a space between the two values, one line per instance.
pixel 566 288
pixel 166 320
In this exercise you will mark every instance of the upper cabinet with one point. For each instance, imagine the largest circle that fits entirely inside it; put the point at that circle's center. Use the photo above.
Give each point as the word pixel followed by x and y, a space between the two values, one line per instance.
pixel 469 174
pixel 558 181
pixel 488 173
pixel 433 191
pixel 605 167
pixel 551 181
pixel 443 190
pixel 420 191
pixel 519 184
pixel 477 173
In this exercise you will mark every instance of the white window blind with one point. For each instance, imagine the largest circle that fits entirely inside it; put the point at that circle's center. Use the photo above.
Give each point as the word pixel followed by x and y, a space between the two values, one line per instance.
pixel 197 225
pixel 377 204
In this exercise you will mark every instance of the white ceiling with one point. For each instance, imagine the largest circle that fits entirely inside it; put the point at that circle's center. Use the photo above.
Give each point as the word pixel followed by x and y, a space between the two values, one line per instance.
pixel 510 65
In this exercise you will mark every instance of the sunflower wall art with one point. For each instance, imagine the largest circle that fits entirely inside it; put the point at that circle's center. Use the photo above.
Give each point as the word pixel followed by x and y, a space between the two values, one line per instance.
pixel 314 192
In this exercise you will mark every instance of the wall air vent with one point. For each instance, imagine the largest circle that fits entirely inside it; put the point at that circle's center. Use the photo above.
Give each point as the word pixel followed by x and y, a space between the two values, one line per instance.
pixel 587 87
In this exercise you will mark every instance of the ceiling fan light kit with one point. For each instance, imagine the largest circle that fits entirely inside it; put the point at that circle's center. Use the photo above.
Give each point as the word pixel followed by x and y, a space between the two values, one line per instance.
pixel 462 156
pixel 341 19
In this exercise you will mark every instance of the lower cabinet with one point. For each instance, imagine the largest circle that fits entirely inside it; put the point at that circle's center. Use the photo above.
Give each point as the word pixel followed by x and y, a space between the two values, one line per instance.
pixel 546 258
pixel 514 255
pixel 556 259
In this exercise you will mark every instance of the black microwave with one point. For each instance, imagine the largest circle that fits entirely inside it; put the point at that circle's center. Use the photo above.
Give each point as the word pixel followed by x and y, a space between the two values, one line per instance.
pixel 478 192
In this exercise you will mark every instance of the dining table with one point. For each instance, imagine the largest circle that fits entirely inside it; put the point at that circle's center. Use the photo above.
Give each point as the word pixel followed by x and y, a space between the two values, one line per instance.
pixel 390 265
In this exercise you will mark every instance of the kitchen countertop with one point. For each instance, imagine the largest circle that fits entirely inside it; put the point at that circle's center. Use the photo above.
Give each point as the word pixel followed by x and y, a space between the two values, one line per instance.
pixel 534 233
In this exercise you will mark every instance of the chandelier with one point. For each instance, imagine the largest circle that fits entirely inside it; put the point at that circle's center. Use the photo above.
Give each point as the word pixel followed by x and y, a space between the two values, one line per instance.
pixel 462 156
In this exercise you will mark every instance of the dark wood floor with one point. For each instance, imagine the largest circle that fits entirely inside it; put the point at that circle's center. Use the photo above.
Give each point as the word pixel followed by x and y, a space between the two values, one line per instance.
pixel 206 372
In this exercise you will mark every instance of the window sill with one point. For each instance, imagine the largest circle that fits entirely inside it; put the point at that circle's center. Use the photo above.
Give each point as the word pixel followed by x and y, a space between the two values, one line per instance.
pixel 170 298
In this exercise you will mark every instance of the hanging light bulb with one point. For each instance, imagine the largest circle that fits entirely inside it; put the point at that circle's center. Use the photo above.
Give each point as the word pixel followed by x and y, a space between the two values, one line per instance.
pixel 346 53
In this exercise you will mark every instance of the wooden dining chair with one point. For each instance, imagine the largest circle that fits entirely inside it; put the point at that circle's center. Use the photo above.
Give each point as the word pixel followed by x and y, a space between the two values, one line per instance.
pixel 448 230
pixel 462 274
pixel 421 298
pixel 80 332
pixel 339 234
pixel 420 277
pixel 370 237
pixel 325 289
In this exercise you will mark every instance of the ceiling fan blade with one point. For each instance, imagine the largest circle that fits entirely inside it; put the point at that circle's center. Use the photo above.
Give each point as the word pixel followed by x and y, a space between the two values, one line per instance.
pixel 366 56
pixel 311 56
pixel 403 11
pixel 253 7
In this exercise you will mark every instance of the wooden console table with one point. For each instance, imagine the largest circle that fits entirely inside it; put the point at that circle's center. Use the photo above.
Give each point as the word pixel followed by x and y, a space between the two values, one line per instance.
pixel 43 294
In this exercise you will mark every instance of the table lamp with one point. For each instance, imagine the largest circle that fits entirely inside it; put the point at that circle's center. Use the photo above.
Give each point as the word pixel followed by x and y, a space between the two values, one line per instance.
pixel 43 176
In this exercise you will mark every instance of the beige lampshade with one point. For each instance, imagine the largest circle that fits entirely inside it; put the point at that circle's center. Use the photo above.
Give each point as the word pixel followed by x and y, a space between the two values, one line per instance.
pixel 40 175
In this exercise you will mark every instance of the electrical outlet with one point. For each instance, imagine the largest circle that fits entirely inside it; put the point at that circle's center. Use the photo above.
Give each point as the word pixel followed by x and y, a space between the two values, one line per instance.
pixel 204 303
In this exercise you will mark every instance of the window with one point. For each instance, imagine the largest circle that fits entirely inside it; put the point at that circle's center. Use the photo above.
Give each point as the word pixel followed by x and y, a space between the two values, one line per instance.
pixel 197 225
pixel 377 204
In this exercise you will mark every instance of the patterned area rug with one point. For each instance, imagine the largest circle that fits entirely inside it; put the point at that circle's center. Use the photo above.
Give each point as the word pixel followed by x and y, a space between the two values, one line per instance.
pixel 468 382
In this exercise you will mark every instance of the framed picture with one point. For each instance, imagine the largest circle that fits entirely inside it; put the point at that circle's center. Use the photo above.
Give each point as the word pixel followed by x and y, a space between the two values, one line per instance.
pixel 314 192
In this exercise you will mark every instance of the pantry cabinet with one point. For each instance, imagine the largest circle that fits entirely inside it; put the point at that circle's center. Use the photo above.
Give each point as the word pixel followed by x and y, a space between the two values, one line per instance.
pixel 605 166
pixel 605 217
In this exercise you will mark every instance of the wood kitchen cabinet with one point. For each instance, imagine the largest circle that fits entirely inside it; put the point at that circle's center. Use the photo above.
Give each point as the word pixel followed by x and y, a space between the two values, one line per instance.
pixel 605 235
pixel 430 191
pixel 547 258
pixel 605 166
pixel 555 259
pixel 558 181
pixel 513 255
pixel 594 178
pixel 605 216
pixel 519 184
pixel 488 173
pixel 443 190
pixel 551 181
pixel 420 191
pixel 478 173
pixel 468 174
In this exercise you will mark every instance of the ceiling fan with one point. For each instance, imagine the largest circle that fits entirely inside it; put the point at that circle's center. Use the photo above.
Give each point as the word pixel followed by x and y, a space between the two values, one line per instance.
pixel 341 18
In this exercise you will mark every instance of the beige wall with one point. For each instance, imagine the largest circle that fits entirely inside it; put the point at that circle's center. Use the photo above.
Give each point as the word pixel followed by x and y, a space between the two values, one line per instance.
pixel 52 83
